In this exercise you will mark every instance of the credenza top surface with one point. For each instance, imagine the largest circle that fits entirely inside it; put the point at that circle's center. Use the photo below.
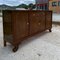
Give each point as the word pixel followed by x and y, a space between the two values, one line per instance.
pixel 29 10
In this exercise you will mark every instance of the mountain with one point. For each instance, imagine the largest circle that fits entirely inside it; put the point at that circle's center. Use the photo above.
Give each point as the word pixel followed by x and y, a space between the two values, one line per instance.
pixel 4 7
pixel 22 6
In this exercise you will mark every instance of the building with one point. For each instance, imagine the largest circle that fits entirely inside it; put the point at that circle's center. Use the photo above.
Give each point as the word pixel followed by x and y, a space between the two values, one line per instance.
pixel 42 4
pixel 54 5
pixel 20 9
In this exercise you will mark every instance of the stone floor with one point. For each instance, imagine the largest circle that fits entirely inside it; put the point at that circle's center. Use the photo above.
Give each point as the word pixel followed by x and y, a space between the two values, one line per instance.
pixel 44 46
pixel 56 17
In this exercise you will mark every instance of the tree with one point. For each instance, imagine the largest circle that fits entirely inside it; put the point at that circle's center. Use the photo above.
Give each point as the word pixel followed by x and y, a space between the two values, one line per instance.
pixel 22 6
pixel 31 6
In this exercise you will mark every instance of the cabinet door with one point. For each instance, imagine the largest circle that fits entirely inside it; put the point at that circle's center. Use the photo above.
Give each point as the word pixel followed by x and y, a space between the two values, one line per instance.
pixel 42 20
pixel 34 22
pixel 20 22
pixel 48 20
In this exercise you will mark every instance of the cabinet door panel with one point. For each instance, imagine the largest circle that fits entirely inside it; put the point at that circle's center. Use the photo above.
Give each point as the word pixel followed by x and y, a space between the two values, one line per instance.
pixel 20 24
pixel 34 22
pixel 42 20
pixel 48 19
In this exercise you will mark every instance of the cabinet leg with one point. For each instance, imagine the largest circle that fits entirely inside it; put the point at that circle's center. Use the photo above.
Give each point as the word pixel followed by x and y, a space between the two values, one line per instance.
pixel 4 43
pixel 15 48
pixel 49 30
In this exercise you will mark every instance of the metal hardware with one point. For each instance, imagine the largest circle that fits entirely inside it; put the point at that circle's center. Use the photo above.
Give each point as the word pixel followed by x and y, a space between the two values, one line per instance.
pixel 39 23
pixel 27 23
pixel 33 14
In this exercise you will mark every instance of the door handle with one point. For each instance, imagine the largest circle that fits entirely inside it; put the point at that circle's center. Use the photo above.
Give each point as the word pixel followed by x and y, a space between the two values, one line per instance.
pixel 39 23
pixel 27 23
pixel 33 14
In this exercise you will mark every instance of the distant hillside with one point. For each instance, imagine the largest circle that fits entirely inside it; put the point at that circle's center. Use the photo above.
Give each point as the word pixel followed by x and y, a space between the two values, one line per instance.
pixel 31 5
pixel 22 6
pixel 4 7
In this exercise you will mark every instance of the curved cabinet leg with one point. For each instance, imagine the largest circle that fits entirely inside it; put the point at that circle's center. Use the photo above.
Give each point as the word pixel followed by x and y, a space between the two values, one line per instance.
pixel 50 30
pixel 4 43
pixel 15 48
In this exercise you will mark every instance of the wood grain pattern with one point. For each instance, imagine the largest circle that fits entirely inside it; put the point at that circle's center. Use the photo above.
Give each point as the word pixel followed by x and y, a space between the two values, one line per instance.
pixel 19 25
pixel 48 20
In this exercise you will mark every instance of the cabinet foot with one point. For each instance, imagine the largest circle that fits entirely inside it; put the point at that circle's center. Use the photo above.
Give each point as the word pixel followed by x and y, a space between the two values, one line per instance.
pixel 50 30
pixel 15 48
pixel 4 43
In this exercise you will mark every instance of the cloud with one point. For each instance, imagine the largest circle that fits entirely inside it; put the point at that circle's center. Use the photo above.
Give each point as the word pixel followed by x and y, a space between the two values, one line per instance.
pixel 9 2
pixel 16 2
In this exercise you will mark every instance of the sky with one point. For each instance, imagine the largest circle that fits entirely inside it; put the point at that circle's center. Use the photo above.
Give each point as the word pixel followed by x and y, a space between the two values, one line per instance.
pixel 16 2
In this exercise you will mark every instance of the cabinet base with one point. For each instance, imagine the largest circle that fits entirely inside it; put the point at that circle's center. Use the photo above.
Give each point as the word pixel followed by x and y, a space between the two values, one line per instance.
pixel 15 48
pixel 50 30
pixel 4 43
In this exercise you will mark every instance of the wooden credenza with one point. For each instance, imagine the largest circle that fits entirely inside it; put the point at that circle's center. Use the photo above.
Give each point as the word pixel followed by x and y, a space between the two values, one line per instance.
pixel 19 25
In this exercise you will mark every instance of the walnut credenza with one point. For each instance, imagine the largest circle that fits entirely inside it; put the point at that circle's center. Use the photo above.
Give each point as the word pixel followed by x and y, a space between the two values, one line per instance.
pixel 21 24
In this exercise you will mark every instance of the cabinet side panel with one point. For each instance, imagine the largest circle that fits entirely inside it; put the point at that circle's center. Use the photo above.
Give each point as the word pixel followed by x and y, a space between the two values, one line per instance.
pixel 7 26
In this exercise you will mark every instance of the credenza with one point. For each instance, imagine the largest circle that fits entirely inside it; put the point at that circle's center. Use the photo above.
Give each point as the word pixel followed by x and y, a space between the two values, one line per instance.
pixel 21 24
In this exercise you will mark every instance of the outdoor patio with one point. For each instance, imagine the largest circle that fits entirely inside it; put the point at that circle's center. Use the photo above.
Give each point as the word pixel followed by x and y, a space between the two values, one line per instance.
pixel 44 46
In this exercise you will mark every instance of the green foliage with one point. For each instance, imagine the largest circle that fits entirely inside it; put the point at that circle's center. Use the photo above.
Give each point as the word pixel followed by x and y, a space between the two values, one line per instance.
pixel 22 6
pixel 30 6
